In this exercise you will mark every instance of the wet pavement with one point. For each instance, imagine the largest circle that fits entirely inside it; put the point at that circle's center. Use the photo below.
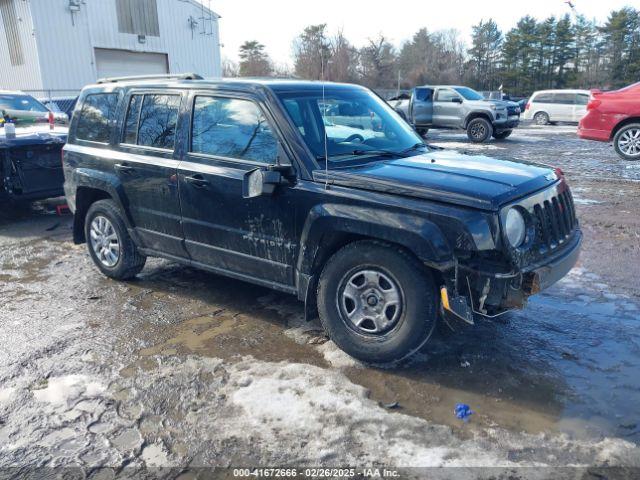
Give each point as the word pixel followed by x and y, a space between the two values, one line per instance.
pixel 184 368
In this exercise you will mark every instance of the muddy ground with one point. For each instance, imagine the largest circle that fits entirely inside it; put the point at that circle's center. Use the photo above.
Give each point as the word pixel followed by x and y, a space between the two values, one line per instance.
pixel 181 368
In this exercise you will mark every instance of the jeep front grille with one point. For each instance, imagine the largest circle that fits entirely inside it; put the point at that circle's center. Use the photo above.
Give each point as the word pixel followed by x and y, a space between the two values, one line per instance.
pixel 555 220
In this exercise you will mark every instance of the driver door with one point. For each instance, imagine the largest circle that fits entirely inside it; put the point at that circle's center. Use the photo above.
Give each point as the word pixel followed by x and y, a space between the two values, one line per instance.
pixel 447 108
pixel 246 238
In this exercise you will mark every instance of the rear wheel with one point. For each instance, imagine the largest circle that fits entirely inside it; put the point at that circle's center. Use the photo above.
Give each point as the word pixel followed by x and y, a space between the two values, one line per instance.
pixel 479 130
pixel 541 118
pixel 502 135
pixel 377 302
pixel 109 243
pixel 627 142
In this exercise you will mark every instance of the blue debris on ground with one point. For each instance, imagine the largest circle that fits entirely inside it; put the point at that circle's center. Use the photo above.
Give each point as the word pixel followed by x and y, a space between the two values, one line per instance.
pixel 463 411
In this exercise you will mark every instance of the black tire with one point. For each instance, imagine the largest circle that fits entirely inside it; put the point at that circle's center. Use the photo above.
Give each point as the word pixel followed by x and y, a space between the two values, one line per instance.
pixel 621 142
pixel 502 135
pixel 129 261
pixel 479 130
pixel 422 131
pixel 541 118
pixel 418 305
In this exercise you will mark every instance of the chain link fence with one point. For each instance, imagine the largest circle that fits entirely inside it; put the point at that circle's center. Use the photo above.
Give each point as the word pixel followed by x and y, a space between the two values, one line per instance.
pixel 56 100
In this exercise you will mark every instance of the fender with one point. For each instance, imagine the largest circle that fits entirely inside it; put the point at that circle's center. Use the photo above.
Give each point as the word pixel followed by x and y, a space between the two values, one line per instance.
pixel 478 113
pixel 102 181
pixel 417 234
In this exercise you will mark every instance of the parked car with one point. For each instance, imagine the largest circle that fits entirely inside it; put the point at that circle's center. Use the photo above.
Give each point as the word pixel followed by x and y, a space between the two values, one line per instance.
pixel 379 235
pixel 614 116
pixel 448 106
pixel 30 167
pixel 550 106
pixel 24 109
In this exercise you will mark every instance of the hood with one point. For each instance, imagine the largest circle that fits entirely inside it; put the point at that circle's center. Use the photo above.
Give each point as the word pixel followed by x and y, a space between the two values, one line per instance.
pixel 502 103
pixel 34 135
pixel 448 176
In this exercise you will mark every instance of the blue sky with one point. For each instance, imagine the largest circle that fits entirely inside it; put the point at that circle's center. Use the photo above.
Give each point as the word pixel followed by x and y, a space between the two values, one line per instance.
pixel 275 23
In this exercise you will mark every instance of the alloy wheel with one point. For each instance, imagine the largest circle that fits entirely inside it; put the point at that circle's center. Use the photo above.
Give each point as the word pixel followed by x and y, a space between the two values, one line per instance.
pixel 104 241
pixel 629 142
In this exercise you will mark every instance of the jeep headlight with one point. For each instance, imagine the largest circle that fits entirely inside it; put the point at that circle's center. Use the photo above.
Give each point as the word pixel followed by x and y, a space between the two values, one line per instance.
pixel 515 228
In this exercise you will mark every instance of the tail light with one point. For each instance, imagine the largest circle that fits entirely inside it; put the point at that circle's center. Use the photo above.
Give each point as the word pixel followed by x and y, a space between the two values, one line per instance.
pixel 526 107
pixel 51 121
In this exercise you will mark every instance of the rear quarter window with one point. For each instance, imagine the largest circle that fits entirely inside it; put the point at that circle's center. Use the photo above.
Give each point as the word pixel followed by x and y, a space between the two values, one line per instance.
pixel 97 116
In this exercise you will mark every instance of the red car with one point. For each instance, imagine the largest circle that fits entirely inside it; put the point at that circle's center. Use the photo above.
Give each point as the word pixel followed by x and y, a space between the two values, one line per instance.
pixel 614 116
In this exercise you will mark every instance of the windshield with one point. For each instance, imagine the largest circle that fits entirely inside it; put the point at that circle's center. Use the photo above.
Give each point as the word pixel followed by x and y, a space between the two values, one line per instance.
pixel 468 93
pixel 21 102
pixel 359 126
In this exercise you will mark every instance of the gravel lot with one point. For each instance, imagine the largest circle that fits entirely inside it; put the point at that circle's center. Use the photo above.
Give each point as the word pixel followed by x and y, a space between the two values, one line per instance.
pixel 181 368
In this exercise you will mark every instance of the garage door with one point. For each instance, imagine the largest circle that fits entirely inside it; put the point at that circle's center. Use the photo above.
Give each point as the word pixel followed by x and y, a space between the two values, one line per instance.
pixel 121 63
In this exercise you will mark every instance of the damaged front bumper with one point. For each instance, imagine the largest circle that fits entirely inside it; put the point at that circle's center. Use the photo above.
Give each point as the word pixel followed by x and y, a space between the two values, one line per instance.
pixel 490 294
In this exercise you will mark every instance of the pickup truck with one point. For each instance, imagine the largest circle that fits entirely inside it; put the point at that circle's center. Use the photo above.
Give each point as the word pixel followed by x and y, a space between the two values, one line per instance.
pixel 451 106
pixel 317 190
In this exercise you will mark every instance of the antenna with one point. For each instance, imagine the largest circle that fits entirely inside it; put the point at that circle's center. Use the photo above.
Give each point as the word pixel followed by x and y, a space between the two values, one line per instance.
pixel 324 126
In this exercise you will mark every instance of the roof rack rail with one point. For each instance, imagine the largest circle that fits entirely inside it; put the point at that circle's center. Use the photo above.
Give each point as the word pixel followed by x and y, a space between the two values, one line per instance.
pixel 177 76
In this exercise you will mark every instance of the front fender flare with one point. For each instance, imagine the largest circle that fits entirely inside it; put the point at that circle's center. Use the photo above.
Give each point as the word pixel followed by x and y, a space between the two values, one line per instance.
pixel 419 235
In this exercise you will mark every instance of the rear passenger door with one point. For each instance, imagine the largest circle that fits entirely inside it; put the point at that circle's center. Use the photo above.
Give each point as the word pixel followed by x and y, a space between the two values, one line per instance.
pixel 252 238
pixel 146 164
pixel 563 106
pixel 422 106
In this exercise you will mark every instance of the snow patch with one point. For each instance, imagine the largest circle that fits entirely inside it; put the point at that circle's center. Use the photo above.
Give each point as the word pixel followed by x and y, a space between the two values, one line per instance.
pixel 62 390
pixel 337 358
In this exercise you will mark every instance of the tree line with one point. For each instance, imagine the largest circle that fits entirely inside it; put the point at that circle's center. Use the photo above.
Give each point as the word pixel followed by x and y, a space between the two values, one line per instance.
pixel 568 51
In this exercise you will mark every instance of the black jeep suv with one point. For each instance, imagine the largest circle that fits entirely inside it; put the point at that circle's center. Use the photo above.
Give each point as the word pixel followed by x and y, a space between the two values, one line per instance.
pixel 319 190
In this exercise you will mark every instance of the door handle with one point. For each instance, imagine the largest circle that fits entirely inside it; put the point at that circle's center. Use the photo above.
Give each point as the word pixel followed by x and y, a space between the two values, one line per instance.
pixel 197 180
pixel 124 168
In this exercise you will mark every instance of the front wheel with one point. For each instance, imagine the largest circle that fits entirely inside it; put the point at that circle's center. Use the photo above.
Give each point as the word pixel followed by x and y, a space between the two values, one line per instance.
pixel 627 142
pixel 377 302
pixel 479 130
pixel 502 135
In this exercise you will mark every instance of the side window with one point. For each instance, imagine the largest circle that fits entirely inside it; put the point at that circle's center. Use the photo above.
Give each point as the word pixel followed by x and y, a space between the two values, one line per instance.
pixel 543 98
pixel 565 98
pixel 158 121
pixel 582 99
pixel 131 123
pixel 446 95
pixel 96 117
pixel 424 94
pixel 232 128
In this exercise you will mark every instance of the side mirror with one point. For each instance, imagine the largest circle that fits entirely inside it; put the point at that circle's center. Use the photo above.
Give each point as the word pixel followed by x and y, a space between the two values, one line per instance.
pixel 264 180
pixel 456 100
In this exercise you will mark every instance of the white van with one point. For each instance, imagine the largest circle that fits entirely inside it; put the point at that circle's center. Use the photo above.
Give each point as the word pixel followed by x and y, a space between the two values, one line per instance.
pixel 548 106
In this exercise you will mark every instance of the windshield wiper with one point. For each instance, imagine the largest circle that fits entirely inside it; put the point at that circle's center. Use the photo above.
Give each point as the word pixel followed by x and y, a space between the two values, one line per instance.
pixel 382 153
pixel 414 147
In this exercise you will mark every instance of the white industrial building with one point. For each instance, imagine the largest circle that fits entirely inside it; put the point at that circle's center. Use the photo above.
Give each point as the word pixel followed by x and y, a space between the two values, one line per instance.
pixel 57 45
